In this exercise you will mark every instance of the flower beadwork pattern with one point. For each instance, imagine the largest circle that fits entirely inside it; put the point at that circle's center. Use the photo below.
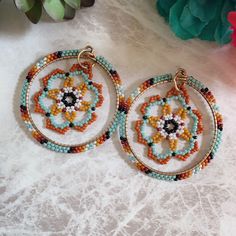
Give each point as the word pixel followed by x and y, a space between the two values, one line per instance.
pixel 69 99
pixel 170 126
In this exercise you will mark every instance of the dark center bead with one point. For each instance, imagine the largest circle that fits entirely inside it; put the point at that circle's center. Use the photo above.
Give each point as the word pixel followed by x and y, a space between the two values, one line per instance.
pixel 170 126
pixel 69 99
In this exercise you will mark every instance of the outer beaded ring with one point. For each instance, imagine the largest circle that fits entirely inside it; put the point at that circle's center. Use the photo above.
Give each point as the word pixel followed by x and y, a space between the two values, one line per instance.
pixel 218 128
pixel 35 132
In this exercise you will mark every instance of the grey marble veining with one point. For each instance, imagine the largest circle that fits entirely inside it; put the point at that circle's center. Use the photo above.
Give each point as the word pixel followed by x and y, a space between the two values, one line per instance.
pixel 98 192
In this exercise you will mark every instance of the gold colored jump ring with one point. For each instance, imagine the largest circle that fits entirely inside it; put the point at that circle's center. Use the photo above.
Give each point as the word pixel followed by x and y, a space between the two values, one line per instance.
pixel 180 76
pixel 87 52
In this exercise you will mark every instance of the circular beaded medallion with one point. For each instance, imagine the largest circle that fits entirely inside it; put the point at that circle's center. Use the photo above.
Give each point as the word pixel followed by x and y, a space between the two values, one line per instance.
pixel 69 100
pixel 169 126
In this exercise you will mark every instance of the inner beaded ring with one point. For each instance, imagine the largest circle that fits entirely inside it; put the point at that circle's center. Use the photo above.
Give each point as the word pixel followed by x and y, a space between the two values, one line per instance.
pixel 170 176
pixel 25 111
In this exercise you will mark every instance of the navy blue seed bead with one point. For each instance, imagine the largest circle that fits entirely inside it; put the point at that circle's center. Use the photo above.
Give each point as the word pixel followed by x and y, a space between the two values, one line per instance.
pixel 28 78
pixel 206 90
pixel 67 74
pixel 71 150
pixel 43 141
pixel 121 108
pixel 150 144
pixel 211 156
pixel 107 134
pixel 113 72
pixel 123 138
pixel 220 127
pixel 148 171
pixel 178 177
pixel 164 99
pixel 71 125
pixel 188 108
pixel 93 108
pixel 59 54
pixel 173 154
pixel 151 81
pixel 90 83
pixel 23 107
pixel 47 114
pixel 145 117
pixel 45 89
pixel 194 137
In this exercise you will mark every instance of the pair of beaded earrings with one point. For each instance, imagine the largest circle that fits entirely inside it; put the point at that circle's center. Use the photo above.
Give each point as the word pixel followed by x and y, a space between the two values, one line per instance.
pixel 163 131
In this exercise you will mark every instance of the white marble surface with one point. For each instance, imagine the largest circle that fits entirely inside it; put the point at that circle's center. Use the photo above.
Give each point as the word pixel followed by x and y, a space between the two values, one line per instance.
pixel 98 193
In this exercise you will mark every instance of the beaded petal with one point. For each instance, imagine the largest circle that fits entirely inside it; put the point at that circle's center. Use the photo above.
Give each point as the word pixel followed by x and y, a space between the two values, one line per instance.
pixel 69 99
pixel 169 126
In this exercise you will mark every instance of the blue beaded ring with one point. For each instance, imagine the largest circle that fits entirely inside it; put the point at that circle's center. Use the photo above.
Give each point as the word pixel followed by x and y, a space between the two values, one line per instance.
pixel 170 126
pixel 69 99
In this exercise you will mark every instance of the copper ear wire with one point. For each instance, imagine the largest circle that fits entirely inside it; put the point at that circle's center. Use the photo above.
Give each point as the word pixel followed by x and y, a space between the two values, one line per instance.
pixel 180 77
pixel 86 53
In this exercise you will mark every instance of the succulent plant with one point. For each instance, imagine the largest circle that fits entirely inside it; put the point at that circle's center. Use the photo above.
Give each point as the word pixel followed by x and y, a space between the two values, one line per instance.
pixel 204 19
pixel 56 9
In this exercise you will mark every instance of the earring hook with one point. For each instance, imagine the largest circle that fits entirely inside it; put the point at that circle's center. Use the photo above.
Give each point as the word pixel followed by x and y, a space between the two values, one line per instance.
pixel 87 52
pixel 180 76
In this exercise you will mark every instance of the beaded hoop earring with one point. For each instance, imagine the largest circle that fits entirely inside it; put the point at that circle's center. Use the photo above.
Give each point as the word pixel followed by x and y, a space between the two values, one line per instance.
pixel 170 126
pixel 69 99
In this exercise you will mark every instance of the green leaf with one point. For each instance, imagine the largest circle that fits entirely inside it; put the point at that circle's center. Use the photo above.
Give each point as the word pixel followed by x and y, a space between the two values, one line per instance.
pixel 204 10
pixel 175 13
pixel 164 7
pixel 191 23
pixel 35 12
pixel 69 12
pixel 208 32
pixel 54 8
pixel 73 3
pixel 24 5
pixel 222 34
